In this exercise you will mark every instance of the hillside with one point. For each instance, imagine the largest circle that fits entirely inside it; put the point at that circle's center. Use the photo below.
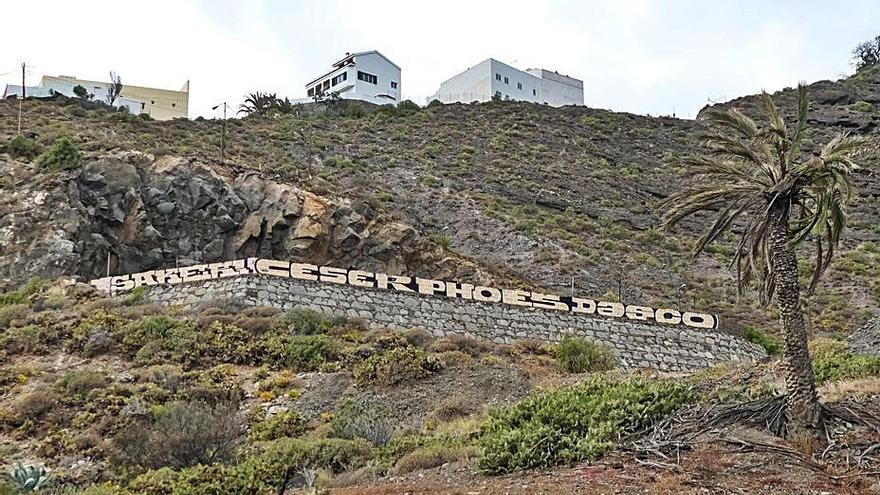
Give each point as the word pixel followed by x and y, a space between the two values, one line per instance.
pixel 123 396
pixel 533 195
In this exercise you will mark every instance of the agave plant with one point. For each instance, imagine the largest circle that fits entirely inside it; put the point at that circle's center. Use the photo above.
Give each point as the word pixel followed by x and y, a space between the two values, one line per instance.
pixel 29 478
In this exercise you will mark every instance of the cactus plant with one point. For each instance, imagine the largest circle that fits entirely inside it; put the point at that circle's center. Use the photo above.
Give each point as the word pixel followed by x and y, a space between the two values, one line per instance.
pixel 29 478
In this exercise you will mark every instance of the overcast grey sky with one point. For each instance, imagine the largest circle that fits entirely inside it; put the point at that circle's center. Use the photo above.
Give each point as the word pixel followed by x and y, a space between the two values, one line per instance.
pixel 647 57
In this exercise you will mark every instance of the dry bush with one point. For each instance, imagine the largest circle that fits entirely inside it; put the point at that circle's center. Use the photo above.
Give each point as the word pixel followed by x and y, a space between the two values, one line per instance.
pixel 183 434
pixel 431 457
pixel 463 343
pixel 418 337
pixel 261 312
pixel 35 405
pixel 531 346
pixel 455 359
pixel 455 407
pixel 14 315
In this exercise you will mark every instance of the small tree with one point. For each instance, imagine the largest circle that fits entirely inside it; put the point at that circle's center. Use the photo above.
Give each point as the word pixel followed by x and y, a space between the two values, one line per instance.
pixel 258 103
pixel 866 54
pixel 82 93
pixel 115 88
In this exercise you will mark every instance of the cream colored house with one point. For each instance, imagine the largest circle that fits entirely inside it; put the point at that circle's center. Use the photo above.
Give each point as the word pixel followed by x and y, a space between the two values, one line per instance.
pixel 160 104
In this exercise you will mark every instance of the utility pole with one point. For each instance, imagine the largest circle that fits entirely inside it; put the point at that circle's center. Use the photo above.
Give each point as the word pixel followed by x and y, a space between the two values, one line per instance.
pixel 23 95
pixel 222 132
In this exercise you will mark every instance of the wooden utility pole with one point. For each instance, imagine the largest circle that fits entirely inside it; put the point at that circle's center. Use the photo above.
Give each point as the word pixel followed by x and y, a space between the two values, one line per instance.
pixel 222 132
pixel 22 97
pixel 223 136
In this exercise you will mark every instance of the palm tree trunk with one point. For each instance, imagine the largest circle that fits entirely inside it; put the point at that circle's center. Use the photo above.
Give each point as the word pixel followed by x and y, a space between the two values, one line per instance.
pixel 803 401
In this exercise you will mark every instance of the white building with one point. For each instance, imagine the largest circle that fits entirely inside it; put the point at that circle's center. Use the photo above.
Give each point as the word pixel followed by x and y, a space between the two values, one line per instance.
pixel 493 78
pixel 161 104
pixel 368 76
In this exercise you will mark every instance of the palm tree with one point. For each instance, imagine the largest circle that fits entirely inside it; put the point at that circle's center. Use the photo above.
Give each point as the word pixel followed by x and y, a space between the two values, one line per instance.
pixel 258 103
pixel 779 196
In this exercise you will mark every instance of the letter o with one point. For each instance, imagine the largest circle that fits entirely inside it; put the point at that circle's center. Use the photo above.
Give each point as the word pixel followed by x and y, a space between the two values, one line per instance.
pixel 699 320
pixel 486 294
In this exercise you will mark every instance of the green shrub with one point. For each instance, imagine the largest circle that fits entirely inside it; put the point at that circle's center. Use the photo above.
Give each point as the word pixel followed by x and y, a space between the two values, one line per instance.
pixel 62 155
pixel 282 425
pixel 301 352
pixel 310 322
pixel 21 147
pixel 395 366
pixel 435 103
pixel 577 355
pixel 861 106
pixel 408 106
pixel 355 111
pixel 768 342
pixel 272 467
pixel 832 360
pixel 353 421
pixel 79 383
pixel 14 313
pixel 23 294
pixel 575 424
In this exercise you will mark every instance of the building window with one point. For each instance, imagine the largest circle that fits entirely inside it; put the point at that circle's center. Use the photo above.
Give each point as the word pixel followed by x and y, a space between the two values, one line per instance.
pixel 534 92
pixel 506 97
pixel 518 85
pixel 326 84
pixel 152 102
pixel 311 91
pixel 173 105
pixel 370 78
pixel 506 80
pixel 339 78
pixel 498 94
pixel 497 76
pixel 393 85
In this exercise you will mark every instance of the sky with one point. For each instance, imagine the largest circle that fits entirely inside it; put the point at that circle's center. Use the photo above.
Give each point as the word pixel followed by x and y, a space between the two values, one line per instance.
pixel 647 57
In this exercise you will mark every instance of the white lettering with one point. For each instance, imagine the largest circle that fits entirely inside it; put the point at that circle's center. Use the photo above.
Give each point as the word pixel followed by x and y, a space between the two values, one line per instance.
pixel 640 313
pixel 668 316
pixel 430 287
pixel 396 282
pixel 333 275
pixel 548 301
pixel 698 320
pixel 515 297
pixel 585 306
pixel 487 294
pixel 272 267
pixel 464 291
pixel 613 309
pixel 304 271
pixel 360 278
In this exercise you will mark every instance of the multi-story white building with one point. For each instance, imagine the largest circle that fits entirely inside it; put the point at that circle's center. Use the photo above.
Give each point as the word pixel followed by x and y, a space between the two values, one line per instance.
pixel 491 78
pixel 368 76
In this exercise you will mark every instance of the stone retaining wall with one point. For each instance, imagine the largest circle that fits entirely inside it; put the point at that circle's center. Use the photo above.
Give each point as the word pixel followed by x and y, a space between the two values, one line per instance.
pixel 638 345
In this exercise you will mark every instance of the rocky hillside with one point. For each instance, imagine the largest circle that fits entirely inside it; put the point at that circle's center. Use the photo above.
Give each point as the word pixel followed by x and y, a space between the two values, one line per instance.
pixel 537 196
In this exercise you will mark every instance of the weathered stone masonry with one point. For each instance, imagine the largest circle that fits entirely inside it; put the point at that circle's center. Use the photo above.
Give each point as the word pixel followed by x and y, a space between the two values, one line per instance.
pixel 667 348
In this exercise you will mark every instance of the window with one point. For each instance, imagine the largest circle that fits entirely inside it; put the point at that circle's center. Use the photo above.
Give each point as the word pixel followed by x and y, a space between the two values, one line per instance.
pixel 311 91
pixel 152 102
pixel 326 84
pixel 339 78
pixel 497 76
pixel 498 94
pixel 518 85
pixel 173 105
pixel 534 92
pixel 370 78
pixel 506 80
pixel 506 97
pixel 393 85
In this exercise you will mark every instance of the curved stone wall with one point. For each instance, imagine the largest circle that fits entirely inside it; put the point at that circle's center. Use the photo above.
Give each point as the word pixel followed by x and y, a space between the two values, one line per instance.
pixel 638 345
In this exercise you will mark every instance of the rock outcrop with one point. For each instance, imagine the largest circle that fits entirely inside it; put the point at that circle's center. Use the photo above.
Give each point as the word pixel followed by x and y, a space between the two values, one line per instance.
pixel 147 213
